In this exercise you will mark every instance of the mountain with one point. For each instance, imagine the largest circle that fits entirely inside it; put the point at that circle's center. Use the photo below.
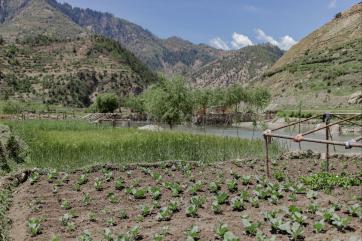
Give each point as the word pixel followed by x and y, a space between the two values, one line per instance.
pixel 23 18
pixel 241 66
pixel 70 71
pixel 171 56
pixel 324 68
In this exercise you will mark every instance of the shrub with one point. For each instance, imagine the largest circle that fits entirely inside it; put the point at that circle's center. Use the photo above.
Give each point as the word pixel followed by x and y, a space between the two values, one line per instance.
pixel 107 103
pixel 12 107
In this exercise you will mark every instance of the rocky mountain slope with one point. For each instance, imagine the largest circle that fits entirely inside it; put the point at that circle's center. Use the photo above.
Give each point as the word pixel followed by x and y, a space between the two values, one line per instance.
pixel 242 66
pixel 20 19
pixel 69 72
pixel 172 56
pixel 324 68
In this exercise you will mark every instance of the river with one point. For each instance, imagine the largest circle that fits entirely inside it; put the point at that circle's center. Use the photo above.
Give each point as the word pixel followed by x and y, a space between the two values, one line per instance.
pixel 248 133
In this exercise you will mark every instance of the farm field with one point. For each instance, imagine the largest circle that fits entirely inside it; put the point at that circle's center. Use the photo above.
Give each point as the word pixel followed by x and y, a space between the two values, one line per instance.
pixel 190 201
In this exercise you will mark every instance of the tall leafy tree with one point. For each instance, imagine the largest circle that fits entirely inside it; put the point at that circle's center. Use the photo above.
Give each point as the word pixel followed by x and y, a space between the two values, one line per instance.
pixel 169 101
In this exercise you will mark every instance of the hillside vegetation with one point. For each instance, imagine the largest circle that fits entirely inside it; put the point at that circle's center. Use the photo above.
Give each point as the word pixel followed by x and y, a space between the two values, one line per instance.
pixel 238 67
pixel 324 68
pixel 69 72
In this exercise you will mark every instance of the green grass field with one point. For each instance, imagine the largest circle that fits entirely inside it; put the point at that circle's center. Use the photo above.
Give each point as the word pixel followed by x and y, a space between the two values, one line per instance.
pixel 72 144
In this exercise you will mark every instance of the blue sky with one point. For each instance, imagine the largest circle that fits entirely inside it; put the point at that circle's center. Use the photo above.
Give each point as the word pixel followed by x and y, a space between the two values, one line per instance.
pixel 228 24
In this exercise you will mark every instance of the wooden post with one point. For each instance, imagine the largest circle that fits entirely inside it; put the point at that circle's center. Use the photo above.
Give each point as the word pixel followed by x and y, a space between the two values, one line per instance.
pixel 267 156
pixel 327 148
pixel 300 113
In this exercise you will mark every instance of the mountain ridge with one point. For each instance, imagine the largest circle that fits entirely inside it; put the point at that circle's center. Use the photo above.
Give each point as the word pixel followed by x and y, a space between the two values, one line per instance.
pixel 324 68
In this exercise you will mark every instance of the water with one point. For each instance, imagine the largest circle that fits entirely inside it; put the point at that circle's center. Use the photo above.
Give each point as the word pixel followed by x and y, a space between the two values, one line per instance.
pixel 248 133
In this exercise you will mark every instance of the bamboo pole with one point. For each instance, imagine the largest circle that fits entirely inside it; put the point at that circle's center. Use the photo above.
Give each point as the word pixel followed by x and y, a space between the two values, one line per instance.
pixel 327 149
pixel 267 155
pixel 328 125
pixel 296 122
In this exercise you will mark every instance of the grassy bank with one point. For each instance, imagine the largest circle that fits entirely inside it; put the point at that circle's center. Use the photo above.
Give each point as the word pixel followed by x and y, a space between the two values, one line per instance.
pixel 72 144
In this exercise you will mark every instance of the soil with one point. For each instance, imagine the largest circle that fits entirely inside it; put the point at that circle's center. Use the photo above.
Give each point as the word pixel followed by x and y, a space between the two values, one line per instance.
pixel 26 197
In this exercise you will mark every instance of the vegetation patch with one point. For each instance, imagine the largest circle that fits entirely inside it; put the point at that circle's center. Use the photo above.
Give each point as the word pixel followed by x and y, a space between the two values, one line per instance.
pixel 328 181
pixel 69 144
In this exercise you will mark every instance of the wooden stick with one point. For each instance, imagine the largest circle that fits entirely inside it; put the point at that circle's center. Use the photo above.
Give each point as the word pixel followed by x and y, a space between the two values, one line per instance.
pixel 338 143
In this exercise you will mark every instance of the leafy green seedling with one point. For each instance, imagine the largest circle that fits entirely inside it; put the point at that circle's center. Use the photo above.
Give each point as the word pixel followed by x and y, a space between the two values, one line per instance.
pixel 342 223
pixel 250 227
pixel 145 210
pixel 313 208
pixel 221 229
pixel 83 179
pixel 122 214
pixel 237 204
pixel 262 237
pixel 191 211
pixel 108 175
pixel 319 227
pixel 198 201
pixel 229 236
pixel 34 177
pixel 52 175
pixel 216 207
pixel 355 210
pixel 155 192
pixel 66 205
pixel 85 236
pixel 164 214
pixel 214 187
pixel 119 184
pixel 34 226
pixel 246 180
pixel 193 233
pixel 232 185
pixel 98 184
pixel 222 198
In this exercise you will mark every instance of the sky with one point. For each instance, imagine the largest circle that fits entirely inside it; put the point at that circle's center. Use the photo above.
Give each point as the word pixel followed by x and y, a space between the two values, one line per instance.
pixel 225 24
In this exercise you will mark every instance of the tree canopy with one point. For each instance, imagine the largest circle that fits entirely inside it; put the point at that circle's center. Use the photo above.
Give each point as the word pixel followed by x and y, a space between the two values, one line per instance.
pixel 107 103
pixel 169 101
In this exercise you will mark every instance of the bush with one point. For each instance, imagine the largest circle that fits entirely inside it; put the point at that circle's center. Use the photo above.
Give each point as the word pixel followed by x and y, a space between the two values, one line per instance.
pixel 107 103
pixel 12 107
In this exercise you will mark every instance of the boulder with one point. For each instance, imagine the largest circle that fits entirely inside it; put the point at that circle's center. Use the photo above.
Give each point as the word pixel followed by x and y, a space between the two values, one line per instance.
pixel 151 128
pixel 355 98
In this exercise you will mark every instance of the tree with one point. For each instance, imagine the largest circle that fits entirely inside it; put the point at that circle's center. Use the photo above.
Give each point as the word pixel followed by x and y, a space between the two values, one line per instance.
pixel 235 94
pixel 135 102
pixel 2 41
pixel 260 98
pixel 202 99
pixel 169 101
pixel 107 103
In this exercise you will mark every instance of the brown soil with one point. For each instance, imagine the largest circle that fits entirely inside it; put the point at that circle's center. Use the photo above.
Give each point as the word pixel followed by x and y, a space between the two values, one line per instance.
pixel 50 210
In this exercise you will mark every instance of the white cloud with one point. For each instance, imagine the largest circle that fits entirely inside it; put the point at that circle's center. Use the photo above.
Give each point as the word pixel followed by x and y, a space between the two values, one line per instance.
pixel 219 44
pixel 285 42
pixel 332 4
pixel 240 41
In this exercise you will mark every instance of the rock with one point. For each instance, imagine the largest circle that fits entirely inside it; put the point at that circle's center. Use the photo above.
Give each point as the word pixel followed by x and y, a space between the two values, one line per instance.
pixel 151 128
pixel 355 98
